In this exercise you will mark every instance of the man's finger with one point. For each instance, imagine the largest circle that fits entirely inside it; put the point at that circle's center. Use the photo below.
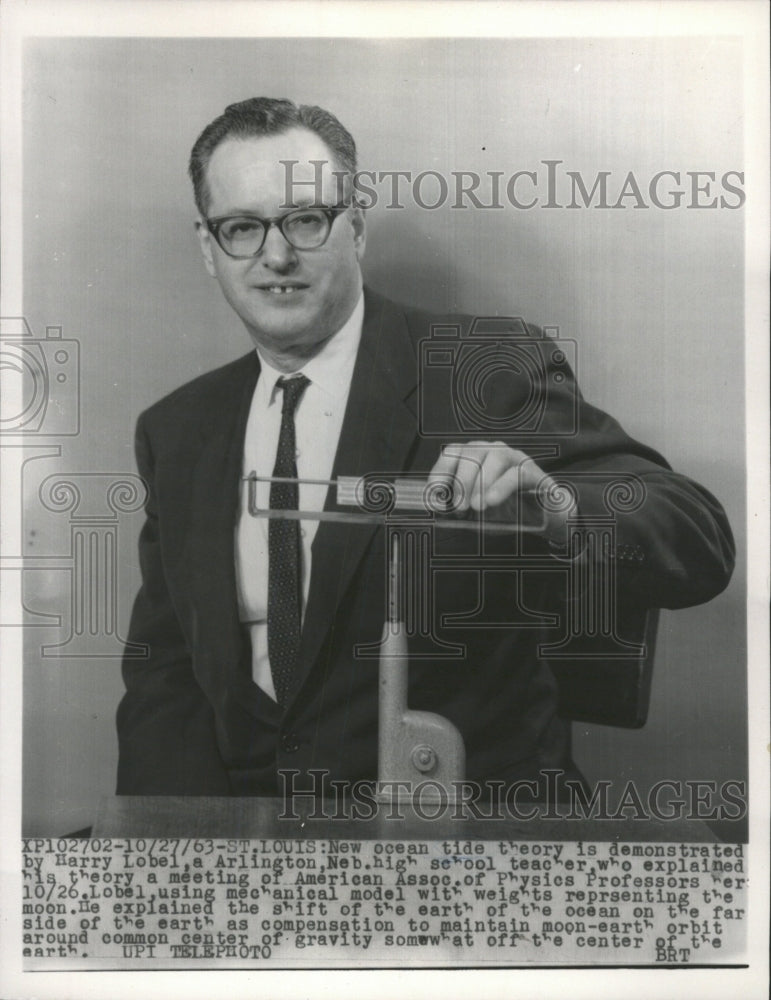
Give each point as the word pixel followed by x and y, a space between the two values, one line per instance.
pixel 455 470
pixel 497 489
pixel 444 467
pixel 495 462
pixel 469 473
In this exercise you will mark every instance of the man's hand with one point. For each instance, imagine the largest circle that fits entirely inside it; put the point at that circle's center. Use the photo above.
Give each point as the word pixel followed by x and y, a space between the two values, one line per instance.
pixel 491 477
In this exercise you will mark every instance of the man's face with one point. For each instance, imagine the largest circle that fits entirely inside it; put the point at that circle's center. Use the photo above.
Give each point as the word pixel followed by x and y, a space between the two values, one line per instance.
pixel 321 285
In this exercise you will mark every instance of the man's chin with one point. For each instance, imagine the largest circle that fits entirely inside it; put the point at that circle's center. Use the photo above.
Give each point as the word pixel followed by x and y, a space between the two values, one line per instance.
pixel 287 337
pixel 282 320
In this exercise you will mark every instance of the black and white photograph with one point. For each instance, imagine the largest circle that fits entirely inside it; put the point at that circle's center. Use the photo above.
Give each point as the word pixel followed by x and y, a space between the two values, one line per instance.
pixel 385 490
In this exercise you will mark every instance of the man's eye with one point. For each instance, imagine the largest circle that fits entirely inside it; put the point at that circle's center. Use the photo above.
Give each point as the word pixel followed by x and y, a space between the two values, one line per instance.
pixel 309 219
pixel 243 227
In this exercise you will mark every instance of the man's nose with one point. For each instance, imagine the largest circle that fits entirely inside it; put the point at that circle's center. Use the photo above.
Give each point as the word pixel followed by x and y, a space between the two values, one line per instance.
pixel 276 252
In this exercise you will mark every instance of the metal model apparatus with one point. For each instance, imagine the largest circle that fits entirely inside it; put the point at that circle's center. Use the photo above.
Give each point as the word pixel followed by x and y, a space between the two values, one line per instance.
pixel 419 753
pixel 417 750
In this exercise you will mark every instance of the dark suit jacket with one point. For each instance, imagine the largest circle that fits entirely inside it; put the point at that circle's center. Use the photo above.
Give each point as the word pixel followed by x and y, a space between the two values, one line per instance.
pixel 193 722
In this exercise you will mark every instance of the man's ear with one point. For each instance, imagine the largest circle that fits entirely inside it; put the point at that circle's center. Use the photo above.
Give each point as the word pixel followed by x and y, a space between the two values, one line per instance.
pixel 205 239
pixel 359 230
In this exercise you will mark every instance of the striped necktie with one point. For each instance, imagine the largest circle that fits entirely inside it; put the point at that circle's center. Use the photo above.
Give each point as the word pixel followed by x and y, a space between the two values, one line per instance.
pixel 284 576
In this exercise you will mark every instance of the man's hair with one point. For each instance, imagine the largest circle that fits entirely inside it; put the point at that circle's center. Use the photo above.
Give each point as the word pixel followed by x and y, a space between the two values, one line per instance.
pixel 260 116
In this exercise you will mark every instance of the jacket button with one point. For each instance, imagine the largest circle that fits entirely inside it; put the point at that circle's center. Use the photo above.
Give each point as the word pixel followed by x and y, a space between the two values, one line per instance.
pixel 290 743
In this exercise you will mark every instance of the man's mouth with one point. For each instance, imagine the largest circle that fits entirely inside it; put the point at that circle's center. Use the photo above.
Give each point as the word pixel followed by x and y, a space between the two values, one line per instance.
pixel 282 289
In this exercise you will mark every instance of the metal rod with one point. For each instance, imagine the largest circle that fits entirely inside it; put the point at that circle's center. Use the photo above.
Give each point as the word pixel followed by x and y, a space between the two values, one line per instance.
pixel 344 517
pixel 393 582
pixel 254 478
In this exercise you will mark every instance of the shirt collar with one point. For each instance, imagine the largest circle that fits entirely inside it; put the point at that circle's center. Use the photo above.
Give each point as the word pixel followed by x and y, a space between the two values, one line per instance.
pixel 331 369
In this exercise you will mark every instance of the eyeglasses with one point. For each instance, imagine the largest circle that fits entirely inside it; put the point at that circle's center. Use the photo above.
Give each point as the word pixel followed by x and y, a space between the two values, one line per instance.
pixel 243 236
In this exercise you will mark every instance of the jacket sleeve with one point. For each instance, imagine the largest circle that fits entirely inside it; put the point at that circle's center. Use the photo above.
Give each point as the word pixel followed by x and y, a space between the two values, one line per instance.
pixel 166 736
pixel 665 538
pixel 668 536
pixel 670 540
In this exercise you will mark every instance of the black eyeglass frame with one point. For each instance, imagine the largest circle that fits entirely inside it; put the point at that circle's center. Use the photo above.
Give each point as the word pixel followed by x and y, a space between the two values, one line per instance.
pixel 279 221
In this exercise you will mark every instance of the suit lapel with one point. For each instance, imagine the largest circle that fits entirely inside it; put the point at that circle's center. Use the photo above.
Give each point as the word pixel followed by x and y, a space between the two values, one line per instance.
pixel 213 504
pixel 379 430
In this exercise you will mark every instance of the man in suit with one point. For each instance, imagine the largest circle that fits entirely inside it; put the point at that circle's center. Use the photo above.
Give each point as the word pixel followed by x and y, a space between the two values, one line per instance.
pixel 251 629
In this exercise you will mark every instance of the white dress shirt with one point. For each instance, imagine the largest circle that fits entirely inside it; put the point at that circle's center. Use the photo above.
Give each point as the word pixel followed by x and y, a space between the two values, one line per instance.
pixel 318 421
